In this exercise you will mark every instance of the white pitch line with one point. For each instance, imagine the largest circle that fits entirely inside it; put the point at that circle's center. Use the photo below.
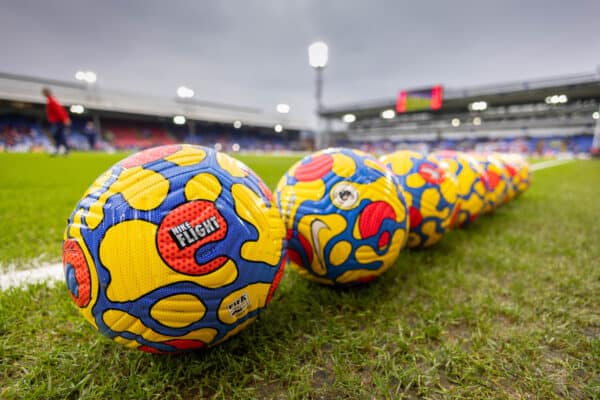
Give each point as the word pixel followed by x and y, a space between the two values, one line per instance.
pixel 47 273
pixel 548 164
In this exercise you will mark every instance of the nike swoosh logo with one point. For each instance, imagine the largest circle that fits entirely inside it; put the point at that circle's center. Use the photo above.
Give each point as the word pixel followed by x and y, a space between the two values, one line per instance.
pixel 315 227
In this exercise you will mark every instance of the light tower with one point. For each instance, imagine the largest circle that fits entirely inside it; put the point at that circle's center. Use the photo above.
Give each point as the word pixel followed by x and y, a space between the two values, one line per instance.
pixel 91 95
pixel 185 93
pixel 318 54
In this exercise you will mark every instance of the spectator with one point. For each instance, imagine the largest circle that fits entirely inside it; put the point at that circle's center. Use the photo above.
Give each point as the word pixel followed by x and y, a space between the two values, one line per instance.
pixel 91 134
pixel 58 118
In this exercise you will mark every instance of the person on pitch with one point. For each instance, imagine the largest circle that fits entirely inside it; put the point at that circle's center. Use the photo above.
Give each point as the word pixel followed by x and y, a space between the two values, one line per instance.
pixel 58 118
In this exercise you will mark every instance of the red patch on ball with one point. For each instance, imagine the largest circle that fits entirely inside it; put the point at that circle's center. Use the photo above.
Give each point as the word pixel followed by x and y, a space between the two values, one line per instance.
pixel 366 279
pixel 384 240
pixel 431 173
pixel 179 344
pixel 306 248
pixel 493 179
pixel 372 216
pixel 316 168
pixel 146 156
pixel 73 256
pixel 185 230
pixel 415 217
pixel 276 279
pixel 455 215
pixel 510 169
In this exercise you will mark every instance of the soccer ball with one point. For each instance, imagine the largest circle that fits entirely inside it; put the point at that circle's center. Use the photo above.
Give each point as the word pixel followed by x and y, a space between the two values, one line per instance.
pixel 523 172
pixel 471 183
pixel 345 215
pixel 511 167
pixel 174 248
pixel 430 191
pixel 496 180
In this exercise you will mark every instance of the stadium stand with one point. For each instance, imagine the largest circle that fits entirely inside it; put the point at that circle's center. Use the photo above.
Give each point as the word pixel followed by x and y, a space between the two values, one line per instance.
pixel 544 117
pixel 129 121
pixel 19 134
pixel 517 117
pixel 546 146
pixel 134 136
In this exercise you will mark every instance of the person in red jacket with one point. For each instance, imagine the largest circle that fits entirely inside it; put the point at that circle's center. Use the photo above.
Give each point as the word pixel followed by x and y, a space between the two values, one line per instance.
pixel 58 118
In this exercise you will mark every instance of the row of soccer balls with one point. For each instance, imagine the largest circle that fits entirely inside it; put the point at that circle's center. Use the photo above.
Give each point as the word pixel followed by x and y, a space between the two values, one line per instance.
pixel 180 247
pixel 344 210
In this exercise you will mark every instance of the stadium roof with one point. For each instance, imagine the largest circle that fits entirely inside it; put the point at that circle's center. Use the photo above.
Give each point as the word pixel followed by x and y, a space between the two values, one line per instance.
pixel 579 86
pixel 26 89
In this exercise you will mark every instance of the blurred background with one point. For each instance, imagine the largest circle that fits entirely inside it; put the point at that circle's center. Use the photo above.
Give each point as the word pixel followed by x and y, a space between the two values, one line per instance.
pixel 272 76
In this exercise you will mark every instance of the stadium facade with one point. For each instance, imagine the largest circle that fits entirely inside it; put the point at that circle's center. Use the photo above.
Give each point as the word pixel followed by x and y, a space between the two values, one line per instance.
pixel 542 116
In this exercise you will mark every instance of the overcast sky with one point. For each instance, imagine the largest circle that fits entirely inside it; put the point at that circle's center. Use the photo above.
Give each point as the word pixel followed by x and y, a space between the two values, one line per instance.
pixel 254 53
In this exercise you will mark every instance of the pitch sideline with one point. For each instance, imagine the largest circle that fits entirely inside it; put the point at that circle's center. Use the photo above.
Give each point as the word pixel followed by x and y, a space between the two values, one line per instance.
pixel 549 164
pixel 53 272
pixel 46 273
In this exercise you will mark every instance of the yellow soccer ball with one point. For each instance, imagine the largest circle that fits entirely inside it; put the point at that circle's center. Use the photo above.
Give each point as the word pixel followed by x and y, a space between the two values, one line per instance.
pixel 471 183
pixel 431 193
pixel 496 180
pixel 174 249
pixel 345 215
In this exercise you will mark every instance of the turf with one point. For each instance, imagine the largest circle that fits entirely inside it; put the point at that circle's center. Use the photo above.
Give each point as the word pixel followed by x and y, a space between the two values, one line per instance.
pixel 37 195
pixel 505 309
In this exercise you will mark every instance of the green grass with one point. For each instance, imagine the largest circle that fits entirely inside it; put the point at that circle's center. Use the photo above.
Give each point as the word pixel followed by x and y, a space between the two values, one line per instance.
pixel 505 309
pixel 37 196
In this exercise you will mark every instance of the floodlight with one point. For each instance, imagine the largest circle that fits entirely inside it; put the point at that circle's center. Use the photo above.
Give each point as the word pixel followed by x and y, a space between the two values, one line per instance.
pixel 179 120
pixel 77 109
pixel 86 76
pixel 318 55
pixel 478 106
pixel 283 108
pixel 185 92
pixel 388 114
pixel 90 77
pixel 349 118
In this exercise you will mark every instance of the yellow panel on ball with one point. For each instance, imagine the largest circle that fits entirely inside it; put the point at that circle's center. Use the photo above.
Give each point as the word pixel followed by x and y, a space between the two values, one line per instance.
pixel 189 306
pixel 188 155
pixel 433 192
